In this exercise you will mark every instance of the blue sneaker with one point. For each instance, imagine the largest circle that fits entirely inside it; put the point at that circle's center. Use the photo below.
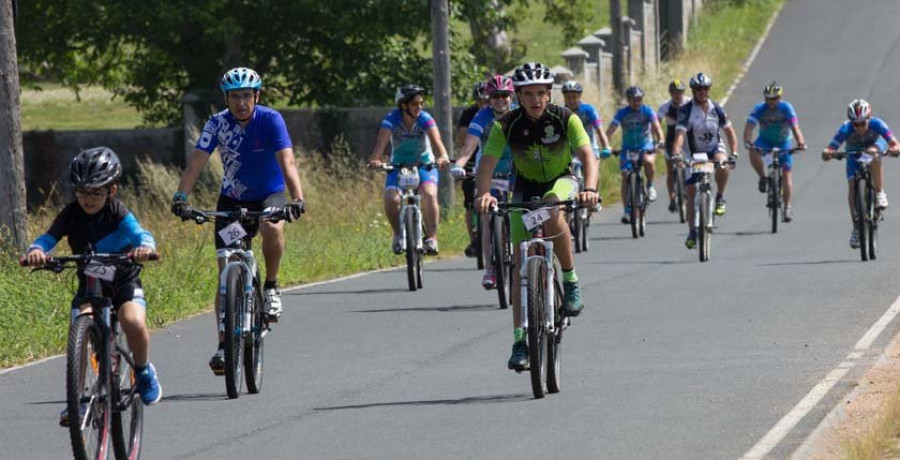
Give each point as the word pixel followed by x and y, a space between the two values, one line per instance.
pixel 572 304
pixel 148 385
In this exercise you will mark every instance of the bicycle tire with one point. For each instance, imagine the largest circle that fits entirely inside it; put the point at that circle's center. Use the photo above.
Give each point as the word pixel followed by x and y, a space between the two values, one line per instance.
pixel 680 195
pixel 577 227
pixel 254 346
pixel 631 201
pixel 554 342
pixel 642 206
pixel 774 198
pixel 412 252
pixel 703 229
pixel 233 305
pixel 862 218
pixel 479 255
pixel 127 407
pixel 84 360
pixel 586 222
pixel 873 229
pixel 537 336
pixel 499 260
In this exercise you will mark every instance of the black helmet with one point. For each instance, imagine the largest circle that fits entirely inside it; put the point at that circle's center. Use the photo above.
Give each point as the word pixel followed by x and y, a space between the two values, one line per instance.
pixel 479 91
pixel 532 73
pixel 676 85
pixel 634 92
pixel 95 168
pixel 405 93
pixel 572 86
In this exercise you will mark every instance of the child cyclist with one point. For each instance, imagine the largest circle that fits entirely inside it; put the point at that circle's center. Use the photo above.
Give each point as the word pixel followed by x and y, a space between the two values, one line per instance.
pixel 98 220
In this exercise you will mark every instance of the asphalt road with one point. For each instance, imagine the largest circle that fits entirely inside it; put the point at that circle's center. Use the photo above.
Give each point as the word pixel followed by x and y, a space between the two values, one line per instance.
pixel 671 359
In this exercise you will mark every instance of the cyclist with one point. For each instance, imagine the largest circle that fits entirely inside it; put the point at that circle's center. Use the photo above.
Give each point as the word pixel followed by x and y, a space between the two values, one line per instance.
pixel 668 111
pixel 572 92
pixel 500 89
pixel 700 121
pixel 412 132
pixel 640 131
pixel 97 220
pixel 541 137
pixel 863 133
pixel 482 100
pixel 777 120
pixel 258 161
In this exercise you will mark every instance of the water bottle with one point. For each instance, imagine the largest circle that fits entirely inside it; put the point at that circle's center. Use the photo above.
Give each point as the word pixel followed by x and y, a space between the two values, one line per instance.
pixel 247 311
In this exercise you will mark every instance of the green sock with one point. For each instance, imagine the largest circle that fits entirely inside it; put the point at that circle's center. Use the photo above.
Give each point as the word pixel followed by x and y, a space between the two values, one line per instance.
pixel 569 276
pixel 518 334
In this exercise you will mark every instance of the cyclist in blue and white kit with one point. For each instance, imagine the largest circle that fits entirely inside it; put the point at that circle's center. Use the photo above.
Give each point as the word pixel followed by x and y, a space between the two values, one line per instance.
pixel 500 89
pixel 777 120
pixel 593 123
pixel 863 133
pixel 640 131
pixel 411 132
pixel 258 161
pixel 699 121
pixel 668 112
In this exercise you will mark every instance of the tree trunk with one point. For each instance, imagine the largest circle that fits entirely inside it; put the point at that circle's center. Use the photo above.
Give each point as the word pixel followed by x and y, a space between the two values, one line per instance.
pixel 440 31
pixel 12 184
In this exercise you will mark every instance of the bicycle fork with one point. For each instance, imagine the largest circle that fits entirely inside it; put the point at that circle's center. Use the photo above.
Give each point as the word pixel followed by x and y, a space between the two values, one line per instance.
pixel 549 294
pixel 411 204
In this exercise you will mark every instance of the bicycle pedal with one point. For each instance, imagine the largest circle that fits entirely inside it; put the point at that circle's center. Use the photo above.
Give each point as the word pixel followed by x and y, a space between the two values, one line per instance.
pixel 219 372
pixel 273 318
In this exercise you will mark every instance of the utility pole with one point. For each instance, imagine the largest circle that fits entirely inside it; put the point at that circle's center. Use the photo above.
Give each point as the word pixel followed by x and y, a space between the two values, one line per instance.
pixel 443 109
pixel 12 186
pixel 618 47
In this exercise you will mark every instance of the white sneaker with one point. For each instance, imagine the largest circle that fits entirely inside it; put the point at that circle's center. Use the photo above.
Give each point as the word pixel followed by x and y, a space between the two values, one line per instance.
pixel 651 193
pixel 881 200
pixel 397 244
pixel 431 246
pixel 854 239
pixel 273 304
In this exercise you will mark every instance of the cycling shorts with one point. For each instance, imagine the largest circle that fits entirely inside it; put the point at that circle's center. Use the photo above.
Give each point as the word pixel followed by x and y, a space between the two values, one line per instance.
pixel 128 289
pixel 425 177
pixel 468 188
pixel 625 164
pixel 275 200
pixel 787 160
pixel 713 156
pixel 852 166
pixel 563 187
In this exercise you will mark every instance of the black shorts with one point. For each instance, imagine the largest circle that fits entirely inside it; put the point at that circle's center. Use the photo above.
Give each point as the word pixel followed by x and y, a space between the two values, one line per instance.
pixel 123 289
pixel 276 200
pixel 468 187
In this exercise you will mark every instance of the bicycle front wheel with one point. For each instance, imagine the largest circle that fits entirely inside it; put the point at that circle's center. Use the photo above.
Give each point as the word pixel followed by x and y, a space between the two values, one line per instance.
pixel 127 408
pixel 705 225
pixel 680 195
pixel 632 202
pixel 537 335
pixel 233 306
pixel 87 399
pixel 774 198
pixel 254 345
pixel 500 259
pixel 412 251
pixel 862 218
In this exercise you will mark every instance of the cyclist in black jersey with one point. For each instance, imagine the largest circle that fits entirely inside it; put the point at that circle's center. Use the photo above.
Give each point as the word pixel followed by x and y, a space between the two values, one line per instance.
pixel 481 100
pixel 668 111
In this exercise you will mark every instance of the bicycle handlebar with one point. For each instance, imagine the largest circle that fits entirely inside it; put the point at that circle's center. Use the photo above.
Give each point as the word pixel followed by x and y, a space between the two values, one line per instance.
pixel 57 264
pixel 778 150
pixel 841 154
pixel 570 205
pixel 241 214
pixel 393 166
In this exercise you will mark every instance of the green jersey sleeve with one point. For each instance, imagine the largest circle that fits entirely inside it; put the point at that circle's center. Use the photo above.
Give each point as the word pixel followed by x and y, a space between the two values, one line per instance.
pixel 496 142
pixel 577 135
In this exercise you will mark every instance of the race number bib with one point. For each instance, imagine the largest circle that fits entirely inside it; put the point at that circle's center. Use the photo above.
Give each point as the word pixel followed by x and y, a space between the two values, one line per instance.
pixel 633 155
pixel 232 233
pixel 534 218
pixel 768 158
pixel 500 184
pixel 865 158
pixel 100 271
pixel 409 178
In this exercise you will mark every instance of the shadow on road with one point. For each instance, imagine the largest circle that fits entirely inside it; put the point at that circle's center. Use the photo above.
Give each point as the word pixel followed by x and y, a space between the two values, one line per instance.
pixel 640 262
pixel 359 291
pixel 490 306
pixel 608 238
pixel 450 269
pixel 432 402
pixel 812 262
pixel 190 397
pixel 41 403
pixel 754 233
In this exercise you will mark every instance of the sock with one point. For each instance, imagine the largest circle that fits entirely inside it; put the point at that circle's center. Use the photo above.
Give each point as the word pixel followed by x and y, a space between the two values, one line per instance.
pixel 718 196
pixel 569 276
pixel 518 334
pixel 270 285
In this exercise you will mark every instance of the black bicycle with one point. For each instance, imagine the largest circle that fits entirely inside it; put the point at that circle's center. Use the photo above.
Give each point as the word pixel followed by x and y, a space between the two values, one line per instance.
pixel 635 199
pixel 476 221
pixel 680 179
pixel 101 386
pixel 774 197
pixel 704 215
pixel 580 220
pixel 867 214
pixel 242 316
pixel 501 244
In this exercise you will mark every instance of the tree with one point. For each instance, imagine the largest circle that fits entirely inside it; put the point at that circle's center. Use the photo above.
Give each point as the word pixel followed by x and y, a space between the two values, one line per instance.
pixel 12 188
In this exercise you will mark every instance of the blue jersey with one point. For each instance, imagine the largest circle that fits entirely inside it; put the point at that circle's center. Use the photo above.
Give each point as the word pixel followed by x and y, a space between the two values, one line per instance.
pixel 591 121
pixel 112 229
pixel 480 127
pixel 251 169
pixel 774 124
pixel 636 126
pixel 846 133
pixel 409 145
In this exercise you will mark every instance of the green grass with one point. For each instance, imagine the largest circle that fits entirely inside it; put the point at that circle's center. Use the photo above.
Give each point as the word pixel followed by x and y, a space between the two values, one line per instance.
pixel 59 108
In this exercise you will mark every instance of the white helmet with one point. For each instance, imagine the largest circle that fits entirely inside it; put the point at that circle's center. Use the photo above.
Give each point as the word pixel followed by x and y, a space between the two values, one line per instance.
pixel 532 73
pixel 859 110
pixel 701 81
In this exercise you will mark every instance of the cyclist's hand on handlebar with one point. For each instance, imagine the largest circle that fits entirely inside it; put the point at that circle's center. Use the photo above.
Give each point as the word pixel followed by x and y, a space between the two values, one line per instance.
pixel 375 164
pixel 179 202
pixel 35 258
pixel 589 198
pixel 141 253
pixel 605 153
pixel 801 146
pixel 484 203
pixel 292 211
pixel 441 161
pixel 457 172
pixel 827 154
pixel 749 146
pixel 894 151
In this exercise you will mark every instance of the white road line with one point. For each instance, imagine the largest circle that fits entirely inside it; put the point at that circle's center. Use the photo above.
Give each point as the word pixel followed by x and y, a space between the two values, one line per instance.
pixel 789 421
pixel 752 57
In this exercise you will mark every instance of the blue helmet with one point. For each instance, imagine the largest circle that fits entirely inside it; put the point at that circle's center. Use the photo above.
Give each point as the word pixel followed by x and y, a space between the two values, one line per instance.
pixel 240 78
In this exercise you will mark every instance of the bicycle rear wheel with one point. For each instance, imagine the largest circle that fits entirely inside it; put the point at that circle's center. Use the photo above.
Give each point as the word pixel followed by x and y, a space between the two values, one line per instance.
pixel 412 251
pixel 680 195
pixel 554 341
pixel 642 206
pixel 500 259
pixel 631 201
pixel 233 306
pixel 128 409
pixel 87 400
pixel 479 240
pixel 774 198
pixel 873 223
pixel 254 349
pixel 577 228
pixel 704 228
pixel 537 336
pixel 862 218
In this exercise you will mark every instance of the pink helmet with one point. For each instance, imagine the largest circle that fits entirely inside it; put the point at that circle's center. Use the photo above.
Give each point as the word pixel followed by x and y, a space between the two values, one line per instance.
pixel 499 84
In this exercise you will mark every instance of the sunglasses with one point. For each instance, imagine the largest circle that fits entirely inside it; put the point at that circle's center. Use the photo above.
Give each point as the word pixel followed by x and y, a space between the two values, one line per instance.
pixel 82 193
pixel 859 124
pixel 500 95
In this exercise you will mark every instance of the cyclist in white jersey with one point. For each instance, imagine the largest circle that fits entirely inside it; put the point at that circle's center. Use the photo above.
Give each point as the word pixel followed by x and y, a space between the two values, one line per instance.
pixel 699 122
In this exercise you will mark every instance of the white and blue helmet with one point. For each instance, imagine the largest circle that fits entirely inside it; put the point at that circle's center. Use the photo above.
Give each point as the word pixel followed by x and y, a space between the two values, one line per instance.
pixel 240 78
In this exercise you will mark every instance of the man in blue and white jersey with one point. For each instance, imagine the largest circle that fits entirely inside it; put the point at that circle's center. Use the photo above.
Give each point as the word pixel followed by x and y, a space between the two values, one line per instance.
pixel 863 133
pixel 500 89
pixel 640 131
pixel 668 112
pixel 411 133
pixel 258 161
pixel 777 120
pixel 700 122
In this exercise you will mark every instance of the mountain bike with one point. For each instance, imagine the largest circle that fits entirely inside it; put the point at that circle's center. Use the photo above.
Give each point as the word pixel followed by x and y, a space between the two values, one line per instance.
pixel 242 316
pixel 704 217
pixel 867 214
pixel 541 295
pixel 101 385
pixel 635 197
pixel 680 187
pixel 580 220
pixel 411 225
pixel 774 199
pixel 501 244
pixel 476 221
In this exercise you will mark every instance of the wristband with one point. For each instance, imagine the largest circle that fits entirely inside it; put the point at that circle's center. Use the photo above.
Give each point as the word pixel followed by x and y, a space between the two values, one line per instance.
pixel 180 196
pixel 590 190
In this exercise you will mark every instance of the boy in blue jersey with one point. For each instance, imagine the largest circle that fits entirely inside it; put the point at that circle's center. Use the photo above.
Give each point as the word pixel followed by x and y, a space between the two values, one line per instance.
pixel 777 120
pixel 640 131
pixel 593 124
pixel 411 133
pixel 258 159
pixel 97 220
pixel 500 89
pixel 863 133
